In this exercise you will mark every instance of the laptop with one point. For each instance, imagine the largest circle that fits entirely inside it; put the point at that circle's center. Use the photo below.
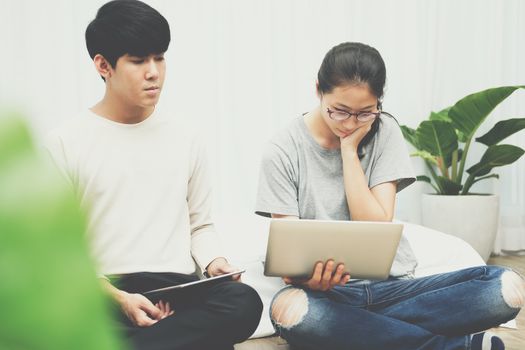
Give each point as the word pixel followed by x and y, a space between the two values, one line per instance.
pixel 366 248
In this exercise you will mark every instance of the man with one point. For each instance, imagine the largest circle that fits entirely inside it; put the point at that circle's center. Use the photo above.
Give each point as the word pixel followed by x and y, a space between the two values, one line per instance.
pixel 144 182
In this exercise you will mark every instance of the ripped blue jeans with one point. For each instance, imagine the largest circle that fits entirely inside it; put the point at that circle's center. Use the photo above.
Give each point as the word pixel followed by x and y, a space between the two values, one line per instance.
pixel 434 312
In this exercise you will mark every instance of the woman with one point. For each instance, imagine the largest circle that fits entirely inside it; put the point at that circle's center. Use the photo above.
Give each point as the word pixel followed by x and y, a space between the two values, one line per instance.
pixel 345 160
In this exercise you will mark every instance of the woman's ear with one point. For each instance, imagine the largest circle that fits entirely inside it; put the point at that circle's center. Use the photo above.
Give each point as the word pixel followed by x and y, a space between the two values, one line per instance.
pixel 102 66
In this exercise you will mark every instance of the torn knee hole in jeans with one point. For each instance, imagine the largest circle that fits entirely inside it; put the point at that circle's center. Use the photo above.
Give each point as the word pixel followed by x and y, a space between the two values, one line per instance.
pixel 290 307
pixel 513 289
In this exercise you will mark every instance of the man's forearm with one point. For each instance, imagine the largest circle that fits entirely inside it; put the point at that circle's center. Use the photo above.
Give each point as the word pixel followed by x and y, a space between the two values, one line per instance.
pixel 115 293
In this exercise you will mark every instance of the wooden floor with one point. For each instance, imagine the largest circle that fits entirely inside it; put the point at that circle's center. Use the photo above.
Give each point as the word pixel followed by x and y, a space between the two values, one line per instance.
pixel 514 338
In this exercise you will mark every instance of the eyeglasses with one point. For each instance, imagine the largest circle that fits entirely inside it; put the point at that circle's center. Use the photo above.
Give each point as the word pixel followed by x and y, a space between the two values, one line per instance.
pixel 340 116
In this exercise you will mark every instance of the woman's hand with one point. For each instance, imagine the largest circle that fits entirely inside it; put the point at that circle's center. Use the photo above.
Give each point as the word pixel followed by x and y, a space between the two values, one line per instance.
pixel 351 141
pixel 325 277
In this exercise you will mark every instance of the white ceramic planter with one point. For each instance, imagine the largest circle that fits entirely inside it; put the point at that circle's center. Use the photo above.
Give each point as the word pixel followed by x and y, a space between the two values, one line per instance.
pixel 473 218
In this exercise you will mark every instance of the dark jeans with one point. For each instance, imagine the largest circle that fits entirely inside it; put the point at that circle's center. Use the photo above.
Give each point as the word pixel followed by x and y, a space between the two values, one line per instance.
pixel 212 316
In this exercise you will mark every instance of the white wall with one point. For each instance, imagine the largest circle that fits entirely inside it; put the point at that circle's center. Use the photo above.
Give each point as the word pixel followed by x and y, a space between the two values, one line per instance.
pixel 246 68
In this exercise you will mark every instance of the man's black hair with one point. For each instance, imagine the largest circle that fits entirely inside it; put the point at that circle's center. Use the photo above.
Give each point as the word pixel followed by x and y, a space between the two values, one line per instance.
pixel 127 27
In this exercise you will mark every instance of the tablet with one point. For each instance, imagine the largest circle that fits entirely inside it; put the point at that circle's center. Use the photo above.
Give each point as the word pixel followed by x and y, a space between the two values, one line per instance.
pixel 366 248
pixel 201 282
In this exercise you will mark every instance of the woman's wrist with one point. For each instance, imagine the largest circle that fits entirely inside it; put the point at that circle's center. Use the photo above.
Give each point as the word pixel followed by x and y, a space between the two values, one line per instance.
pixel 349 153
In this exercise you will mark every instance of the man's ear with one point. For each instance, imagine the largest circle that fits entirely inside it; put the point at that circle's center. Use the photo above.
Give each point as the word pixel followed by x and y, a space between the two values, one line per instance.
pixel 317 92
pixel 102 66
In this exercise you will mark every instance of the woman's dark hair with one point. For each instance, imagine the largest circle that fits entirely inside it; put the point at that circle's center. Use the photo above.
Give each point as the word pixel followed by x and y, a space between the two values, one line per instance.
pixel 127 27
pixel 354 63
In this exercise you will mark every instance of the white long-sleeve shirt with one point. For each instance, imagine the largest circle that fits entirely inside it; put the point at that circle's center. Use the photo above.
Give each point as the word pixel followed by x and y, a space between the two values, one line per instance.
pixel 146 190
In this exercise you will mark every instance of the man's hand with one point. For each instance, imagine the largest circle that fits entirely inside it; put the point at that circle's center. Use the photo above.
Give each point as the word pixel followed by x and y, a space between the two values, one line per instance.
pixel 165 308
pixel 141 312
pixel 220 266
pixel 325 277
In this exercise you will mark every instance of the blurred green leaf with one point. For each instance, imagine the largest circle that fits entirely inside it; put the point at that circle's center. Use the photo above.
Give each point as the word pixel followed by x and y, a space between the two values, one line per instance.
pixel 49 294
pixel 15 139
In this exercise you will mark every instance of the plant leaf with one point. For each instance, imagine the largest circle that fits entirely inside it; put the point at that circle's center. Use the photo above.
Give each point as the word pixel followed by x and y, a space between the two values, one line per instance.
pixel 496 176
pixel 438 138
pixel 426 156
pixel 449 187
pixel 410 135
pixel 469 112
pixel 423 178
pixel 461 136
pixel 496 155
pixel 502 130
pixel 460 154
pixel 441 115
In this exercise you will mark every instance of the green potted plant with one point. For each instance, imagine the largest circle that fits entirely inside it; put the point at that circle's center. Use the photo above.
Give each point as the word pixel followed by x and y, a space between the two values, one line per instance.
pixel 443 142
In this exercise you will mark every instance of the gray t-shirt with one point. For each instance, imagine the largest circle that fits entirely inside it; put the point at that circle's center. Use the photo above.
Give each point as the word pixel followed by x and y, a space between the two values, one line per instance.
pixel 299 177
